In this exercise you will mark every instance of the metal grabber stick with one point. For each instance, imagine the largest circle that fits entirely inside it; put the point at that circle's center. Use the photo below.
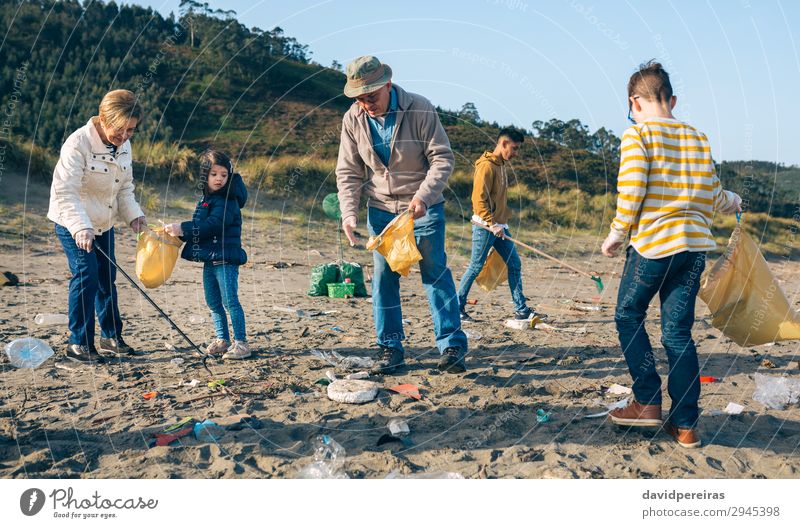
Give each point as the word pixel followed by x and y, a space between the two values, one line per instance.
pixel 598 282
pixel 158 308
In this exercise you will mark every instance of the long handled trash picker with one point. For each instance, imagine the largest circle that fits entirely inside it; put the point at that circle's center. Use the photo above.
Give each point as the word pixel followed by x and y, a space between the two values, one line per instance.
pixel 596 278
pixel 154 305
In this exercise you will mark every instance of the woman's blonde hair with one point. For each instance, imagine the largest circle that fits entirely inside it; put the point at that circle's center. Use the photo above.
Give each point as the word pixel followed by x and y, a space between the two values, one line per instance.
pixel 118 106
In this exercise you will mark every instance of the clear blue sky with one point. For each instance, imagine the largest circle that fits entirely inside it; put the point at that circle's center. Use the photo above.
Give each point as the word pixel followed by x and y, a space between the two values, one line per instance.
pixel 735 65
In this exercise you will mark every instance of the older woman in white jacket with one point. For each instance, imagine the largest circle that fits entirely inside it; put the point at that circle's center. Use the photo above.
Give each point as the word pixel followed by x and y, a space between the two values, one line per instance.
pixel 92 187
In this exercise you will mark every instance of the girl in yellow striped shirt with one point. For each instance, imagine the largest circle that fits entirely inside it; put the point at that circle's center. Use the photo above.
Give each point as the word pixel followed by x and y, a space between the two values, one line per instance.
pixel 668 192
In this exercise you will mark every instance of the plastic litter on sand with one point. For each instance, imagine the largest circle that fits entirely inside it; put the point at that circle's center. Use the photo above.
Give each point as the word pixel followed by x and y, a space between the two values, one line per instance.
pixel 329 459
pixel 28 352
pixel 776 392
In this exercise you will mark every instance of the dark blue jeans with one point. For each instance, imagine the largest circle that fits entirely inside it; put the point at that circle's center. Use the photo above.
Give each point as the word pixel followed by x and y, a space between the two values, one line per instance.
pixel 436 277
pixel 91 288
pixel 482 242
pixel 676 279
pixel 221 285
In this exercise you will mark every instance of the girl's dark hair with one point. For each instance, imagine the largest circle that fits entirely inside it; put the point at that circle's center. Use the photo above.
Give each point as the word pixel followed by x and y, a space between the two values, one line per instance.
pixel 215 157
pixel 651 81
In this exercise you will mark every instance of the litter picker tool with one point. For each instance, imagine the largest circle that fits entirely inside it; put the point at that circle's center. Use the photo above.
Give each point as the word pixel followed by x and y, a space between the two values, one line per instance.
pixel 596 278
pixel 158 309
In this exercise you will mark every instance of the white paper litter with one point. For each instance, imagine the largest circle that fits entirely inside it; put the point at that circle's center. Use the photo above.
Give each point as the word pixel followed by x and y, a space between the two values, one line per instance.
pixel 618 389
pixel 398 427
pixel 733 408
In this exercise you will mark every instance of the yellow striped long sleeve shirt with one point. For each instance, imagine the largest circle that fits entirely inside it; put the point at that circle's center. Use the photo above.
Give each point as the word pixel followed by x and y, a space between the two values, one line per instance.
pixel 668 189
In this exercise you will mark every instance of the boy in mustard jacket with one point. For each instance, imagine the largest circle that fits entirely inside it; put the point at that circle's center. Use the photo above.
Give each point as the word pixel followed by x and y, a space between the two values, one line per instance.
pixel 490 203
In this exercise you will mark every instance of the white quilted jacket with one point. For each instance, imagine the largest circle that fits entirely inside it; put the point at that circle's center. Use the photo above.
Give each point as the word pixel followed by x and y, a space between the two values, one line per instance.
pixel 91 188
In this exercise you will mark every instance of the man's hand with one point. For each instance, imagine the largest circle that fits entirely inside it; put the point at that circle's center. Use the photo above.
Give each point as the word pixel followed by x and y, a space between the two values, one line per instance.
pixel 418 207
pixel 84 239
pixel 610 247
pixel 138 225
pixel 349 226
pixel 173 230
pixel 498 231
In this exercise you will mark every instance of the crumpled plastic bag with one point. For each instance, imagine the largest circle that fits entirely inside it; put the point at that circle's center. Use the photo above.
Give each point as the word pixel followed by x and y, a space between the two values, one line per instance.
pixel 776 392
pixel 397 244
pixel 156 255
pixel 746 302
pixel 494 272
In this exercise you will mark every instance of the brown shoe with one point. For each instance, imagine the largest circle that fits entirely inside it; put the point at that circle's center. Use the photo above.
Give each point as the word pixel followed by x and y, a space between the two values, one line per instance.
pixel 637 415
pixel 687 438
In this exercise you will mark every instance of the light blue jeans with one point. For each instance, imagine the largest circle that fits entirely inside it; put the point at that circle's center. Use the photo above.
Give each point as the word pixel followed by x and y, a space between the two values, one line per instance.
pixel 429 233
pixel 482 242
pixel 221 285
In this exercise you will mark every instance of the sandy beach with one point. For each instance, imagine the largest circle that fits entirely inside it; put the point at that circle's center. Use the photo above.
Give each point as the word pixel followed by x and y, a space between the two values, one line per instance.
pixel 69 420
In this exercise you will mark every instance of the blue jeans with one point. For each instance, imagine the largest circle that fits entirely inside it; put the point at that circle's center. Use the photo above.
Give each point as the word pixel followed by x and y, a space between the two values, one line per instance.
pixel 91 289
pixel 221 285
pixel 482 242
pixel 436 277
pixel 676 279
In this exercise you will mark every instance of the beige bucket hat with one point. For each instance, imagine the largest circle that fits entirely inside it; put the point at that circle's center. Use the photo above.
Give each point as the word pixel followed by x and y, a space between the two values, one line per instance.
pixel 366 74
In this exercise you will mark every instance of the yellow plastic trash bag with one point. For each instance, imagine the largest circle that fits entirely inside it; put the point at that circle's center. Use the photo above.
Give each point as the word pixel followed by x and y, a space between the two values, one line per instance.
pixel 745 300
pixel 397 244
pixel 156 254
pixel 494 272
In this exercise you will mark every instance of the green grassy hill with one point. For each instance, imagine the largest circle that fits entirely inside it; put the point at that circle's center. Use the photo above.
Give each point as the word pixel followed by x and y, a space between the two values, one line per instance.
pixel 206 79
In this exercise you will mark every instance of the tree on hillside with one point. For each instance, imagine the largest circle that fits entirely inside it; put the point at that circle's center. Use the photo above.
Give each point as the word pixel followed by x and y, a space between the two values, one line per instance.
pixel 575 135
pixel 190 8
pixel 469 112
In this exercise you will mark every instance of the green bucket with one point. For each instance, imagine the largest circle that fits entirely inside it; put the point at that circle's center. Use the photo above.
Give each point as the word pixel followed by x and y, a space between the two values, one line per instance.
pixel 341 290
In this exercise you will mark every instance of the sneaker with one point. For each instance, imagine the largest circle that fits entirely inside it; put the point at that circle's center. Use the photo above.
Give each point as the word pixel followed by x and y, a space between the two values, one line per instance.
pixel 527 314
pixel 238 350
pixel 637 415
pixel 116 346
pixel 452 361
pixel 83 354
pixel 390 360
pixel 464 315
pixel 217 347
pixel 687 438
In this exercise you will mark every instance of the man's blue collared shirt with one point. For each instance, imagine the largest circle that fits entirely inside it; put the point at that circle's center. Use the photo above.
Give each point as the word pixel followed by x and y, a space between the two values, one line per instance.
pixel 382 133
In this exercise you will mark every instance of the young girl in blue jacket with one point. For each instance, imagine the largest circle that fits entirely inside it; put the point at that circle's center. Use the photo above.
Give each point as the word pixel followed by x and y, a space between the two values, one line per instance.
pixel 214 236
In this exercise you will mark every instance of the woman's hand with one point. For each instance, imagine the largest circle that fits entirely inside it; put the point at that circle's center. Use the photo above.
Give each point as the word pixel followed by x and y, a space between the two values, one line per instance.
pixel 84 239
pixel 138 225
pixel 173 230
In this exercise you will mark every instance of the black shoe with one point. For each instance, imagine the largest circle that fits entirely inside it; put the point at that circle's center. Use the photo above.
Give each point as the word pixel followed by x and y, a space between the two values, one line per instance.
pixel 116 346
pixel 452 361
pixel 464 315
pixel 389 361
pixel 527 314
pixel 83 354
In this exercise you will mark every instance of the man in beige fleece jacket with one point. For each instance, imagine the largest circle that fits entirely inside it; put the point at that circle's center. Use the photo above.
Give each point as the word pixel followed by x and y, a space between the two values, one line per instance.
pixel 394 150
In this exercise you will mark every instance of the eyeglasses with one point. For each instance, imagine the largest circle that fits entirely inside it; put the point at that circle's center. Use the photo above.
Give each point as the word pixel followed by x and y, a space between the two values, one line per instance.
pixel 630 109
pixel 370 98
